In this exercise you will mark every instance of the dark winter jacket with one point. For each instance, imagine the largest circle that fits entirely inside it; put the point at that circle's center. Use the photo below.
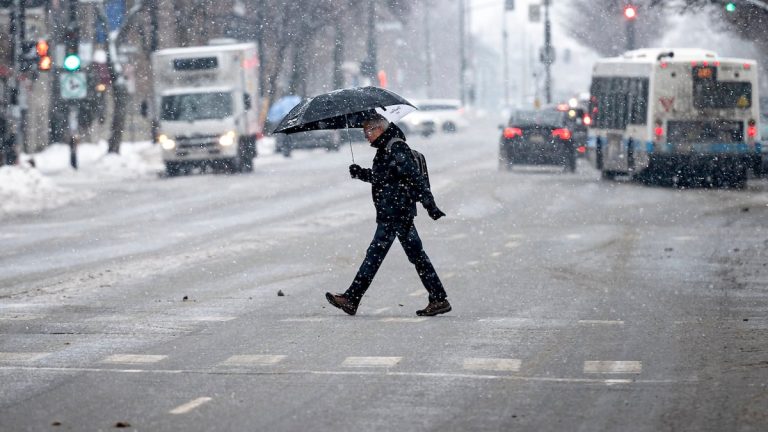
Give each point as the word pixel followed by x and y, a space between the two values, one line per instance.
pixel 396 185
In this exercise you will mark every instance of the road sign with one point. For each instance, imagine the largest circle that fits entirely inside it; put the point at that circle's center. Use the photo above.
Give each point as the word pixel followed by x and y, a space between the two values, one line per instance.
pixel 74 86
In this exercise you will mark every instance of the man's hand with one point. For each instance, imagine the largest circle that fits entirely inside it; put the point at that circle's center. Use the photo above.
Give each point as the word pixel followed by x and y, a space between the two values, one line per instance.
pixel 435 213
pixel 355 170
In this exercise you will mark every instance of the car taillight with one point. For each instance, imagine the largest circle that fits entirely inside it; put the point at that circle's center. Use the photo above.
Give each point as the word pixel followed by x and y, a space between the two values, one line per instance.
pixel 581 149
pixel 658 131
pixel 752 129
pixel 511 132
pixel 563 134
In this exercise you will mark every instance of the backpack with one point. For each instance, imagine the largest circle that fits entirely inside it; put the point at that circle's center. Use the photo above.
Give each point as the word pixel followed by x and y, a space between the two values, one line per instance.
pixel 421 161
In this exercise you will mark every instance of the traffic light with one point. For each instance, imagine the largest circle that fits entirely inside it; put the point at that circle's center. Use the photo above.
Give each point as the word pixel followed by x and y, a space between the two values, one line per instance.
pixel 44 61
pixel 27 56
pixel 71 45
pixel 630 12
pixel 730 7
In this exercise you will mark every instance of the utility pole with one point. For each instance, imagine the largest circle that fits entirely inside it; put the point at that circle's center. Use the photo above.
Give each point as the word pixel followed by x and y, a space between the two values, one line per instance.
pixel 462 53
pixel 428 50
pixel 17 87
pixel 630 15
pixel 72 45
pixel 548 56
pixel 369 65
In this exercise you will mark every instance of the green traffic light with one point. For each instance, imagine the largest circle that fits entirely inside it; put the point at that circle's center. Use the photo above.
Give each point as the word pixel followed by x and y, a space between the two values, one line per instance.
pixel 730 7
pixel 72 62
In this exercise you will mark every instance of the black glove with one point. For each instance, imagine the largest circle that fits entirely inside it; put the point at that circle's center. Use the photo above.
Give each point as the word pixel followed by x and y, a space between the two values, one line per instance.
pixel 355 170
pixel 435 213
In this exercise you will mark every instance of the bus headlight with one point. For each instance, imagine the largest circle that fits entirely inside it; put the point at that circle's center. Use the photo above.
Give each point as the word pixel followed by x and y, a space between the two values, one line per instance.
pixel 227 139
pixel 166 143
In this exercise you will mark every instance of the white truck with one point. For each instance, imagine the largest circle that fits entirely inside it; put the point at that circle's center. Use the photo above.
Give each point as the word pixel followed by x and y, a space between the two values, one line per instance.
pixel 206 106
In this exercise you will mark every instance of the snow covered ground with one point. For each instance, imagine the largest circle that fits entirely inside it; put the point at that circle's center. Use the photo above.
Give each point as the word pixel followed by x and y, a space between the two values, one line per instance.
pixel 46 180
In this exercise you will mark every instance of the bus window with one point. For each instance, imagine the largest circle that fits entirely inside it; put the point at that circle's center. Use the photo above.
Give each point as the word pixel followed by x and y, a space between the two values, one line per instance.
pixel 708 92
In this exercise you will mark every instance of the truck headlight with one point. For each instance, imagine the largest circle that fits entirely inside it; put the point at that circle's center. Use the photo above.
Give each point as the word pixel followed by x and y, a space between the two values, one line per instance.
pixel 166 143
pixel 227 139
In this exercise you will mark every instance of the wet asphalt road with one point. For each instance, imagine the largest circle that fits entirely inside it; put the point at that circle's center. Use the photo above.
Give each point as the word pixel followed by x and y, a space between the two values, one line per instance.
pixel 579 304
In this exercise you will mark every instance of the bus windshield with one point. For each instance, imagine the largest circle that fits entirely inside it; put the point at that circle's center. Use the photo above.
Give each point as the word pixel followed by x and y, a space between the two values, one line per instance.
pixel 196 106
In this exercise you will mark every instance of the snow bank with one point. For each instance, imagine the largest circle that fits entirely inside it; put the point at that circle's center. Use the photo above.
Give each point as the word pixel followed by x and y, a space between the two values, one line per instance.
pixel 24 189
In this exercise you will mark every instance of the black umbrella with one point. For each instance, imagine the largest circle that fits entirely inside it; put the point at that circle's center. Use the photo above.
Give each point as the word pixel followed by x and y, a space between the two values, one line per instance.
pixel 346 108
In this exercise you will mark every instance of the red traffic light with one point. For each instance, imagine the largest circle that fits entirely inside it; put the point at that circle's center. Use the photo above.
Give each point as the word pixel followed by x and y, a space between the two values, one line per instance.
pixel 42 48
pixel 630 12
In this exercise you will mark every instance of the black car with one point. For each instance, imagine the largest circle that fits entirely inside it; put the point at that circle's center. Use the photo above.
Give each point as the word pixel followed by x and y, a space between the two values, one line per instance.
pixel 538 138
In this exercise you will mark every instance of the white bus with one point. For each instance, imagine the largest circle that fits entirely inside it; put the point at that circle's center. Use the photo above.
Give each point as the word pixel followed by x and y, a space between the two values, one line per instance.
pixel 680 115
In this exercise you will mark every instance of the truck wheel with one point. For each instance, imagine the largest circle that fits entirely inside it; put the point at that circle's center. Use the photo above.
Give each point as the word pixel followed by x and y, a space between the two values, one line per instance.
pixel 247 153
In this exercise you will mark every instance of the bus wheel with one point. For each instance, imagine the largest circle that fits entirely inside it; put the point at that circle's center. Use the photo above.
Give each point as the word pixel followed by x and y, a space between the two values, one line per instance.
pixel 738 177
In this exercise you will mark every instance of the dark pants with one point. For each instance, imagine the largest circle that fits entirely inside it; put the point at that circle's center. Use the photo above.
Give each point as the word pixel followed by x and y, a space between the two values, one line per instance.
pixel 382 240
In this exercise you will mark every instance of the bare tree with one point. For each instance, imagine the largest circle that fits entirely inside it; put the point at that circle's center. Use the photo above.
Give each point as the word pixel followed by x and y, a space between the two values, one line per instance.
pixel 600 24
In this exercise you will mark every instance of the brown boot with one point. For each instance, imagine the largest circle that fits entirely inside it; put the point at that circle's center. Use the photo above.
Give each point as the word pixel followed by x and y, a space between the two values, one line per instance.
pixel 342 302
pixel 435 308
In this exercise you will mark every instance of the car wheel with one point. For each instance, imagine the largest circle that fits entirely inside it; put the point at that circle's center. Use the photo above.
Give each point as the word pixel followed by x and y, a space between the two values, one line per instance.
pixel 449 127
pixel 171 169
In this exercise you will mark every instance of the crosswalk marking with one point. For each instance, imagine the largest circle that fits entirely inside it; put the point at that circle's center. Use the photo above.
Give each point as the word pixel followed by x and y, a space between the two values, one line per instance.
pixel 371 361
pixel 133 359
pixel 495 254
pixel 418 293
pixel 305 319
pixel 403 320
pixel 492 364
pixel 512 244
pixel 601 322
pixel 15 357
pixel 613 367
pixel 253 360
pixel 573 236
pixel 189 406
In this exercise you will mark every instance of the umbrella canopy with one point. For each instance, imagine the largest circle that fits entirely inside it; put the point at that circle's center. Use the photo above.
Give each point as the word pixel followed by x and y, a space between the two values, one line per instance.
pixel 344 108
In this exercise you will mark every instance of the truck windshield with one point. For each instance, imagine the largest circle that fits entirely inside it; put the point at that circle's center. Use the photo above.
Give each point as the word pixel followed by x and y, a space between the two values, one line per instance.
pixel 196 106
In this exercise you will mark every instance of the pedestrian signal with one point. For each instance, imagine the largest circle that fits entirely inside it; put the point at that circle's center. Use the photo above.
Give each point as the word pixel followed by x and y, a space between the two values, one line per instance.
pixel 44 61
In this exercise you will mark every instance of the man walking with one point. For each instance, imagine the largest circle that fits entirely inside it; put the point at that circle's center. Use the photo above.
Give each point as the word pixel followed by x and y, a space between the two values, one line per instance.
pixel 396 185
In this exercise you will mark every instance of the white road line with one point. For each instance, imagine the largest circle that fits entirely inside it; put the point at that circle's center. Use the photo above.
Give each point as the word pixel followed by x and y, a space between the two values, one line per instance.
pixel 418 293
pixel 253 360
pixel 305 319
pixel 492 364
pixel 403 320
pixel 601 322
pixel 13 357
pixel 512 244
pixel 573 236
pixel 449 275
pixel 388 373
pixel 133 359
pixel 211 318
pixel 371 361
pixel 20 317
pixel 496 254
pixel 189 406
pixel 515 236
pixel 457 236
pixel 473 263
pixel 613 367
pixel 684 238
pixel 380 311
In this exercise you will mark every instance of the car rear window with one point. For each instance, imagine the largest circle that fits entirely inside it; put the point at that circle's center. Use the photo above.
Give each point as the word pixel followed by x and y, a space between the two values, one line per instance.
pixel 438 107
pixel 537 118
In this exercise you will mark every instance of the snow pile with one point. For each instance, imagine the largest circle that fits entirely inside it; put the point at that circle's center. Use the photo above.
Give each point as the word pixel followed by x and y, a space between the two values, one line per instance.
pixel 24 189
pixel 135 160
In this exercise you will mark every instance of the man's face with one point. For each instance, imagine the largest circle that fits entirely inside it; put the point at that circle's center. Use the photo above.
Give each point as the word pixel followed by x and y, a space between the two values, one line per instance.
pixel 372 131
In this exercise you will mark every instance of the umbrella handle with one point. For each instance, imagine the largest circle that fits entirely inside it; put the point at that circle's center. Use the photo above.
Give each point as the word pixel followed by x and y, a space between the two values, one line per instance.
pixel 346 123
